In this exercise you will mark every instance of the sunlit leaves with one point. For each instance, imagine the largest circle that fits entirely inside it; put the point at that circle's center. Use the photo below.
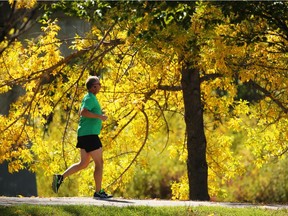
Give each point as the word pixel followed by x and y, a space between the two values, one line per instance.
pixel 141 92
pixel 180 189
pixel 25 67
pixel 24 3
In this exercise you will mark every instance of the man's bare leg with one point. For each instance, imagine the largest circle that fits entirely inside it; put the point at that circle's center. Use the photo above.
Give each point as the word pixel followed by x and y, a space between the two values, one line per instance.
pixel 97 157
pixel 82 164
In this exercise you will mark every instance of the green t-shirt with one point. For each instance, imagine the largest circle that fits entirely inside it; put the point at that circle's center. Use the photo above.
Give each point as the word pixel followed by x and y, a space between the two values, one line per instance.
pixel 90 126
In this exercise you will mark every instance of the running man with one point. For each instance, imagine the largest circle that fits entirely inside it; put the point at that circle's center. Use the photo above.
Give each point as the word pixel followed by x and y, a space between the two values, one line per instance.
pixel 90 124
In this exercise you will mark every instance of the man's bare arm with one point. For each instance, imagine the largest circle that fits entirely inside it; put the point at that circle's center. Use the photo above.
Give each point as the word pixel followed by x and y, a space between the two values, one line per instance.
pixel 86 113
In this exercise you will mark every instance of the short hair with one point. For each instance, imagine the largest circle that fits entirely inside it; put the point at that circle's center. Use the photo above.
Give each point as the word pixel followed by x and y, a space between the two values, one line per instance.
pixel 90 81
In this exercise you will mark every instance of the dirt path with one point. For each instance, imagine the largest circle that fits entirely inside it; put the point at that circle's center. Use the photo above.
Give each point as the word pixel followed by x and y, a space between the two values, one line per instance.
pixel 119 202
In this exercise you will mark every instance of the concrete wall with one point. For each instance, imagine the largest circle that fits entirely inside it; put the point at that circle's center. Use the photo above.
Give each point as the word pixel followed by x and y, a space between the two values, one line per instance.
pixel 22 183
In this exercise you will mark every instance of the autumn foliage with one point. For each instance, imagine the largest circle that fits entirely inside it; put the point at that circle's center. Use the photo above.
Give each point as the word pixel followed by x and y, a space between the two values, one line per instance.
pixel 244 81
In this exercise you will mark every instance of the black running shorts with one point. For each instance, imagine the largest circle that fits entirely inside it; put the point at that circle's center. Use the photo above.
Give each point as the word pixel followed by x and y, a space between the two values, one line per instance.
pixel 89 142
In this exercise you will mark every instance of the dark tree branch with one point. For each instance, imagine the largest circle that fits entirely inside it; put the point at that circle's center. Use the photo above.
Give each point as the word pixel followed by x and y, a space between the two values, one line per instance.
pixel 16 22
pixel 49 70
pixel 169 88
pixel 206 77
pixel 268 94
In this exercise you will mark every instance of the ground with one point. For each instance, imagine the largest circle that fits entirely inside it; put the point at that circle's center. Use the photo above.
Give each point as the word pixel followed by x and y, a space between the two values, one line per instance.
pixel 120 202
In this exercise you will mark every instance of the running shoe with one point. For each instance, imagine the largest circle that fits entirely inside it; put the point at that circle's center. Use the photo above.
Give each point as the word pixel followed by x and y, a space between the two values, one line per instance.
pixel 102 195
pixel 57 180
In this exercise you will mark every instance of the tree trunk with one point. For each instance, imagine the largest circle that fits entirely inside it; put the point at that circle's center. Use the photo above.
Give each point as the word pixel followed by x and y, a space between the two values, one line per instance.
pixel 196 140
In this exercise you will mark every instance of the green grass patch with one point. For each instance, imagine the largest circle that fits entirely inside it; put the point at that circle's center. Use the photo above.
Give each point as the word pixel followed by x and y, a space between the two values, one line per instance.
pixel 68 210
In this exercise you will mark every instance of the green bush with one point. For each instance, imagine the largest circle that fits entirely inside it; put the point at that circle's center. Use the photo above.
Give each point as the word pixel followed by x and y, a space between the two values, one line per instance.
pixel 265 185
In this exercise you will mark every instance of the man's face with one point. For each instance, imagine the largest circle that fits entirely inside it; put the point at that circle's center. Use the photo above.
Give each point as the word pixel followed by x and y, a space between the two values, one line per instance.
pixel 95 88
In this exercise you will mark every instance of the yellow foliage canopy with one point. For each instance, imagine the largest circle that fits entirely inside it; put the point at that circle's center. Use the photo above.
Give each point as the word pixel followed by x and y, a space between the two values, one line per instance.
pixel 140 94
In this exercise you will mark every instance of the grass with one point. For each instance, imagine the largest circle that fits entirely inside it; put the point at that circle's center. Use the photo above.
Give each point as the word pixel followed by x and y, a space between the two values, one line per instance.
pixel 66 210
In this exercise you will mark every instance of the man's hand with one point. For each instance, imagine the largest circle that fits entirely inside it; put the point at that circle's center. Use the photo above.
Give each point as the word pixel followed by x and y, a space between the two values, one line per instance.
pixel 104 117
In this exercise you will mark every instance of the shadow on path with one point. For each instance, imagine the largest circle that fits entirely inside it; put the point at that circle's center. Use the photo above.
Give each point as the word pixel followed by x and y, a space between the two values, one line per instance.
pixel 115 201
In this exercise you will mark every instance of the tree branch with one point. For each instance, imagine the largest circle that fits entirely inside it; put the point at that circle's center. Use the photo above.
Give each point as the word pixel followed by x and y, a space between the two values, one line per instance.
pixel 206 77
pixel 269 94
pixel 169 88
pixel 139 151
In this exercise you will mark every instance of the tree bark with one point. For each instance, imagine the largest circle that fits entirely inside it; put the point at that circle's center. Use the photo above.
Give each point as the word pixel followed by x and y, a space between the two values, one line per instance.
pixel 196 140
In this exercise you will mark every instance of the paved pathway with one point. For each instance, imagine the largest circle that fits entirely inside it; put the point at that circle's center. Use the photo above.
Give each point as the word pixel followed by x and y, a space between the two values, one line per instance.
pixel 119 202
